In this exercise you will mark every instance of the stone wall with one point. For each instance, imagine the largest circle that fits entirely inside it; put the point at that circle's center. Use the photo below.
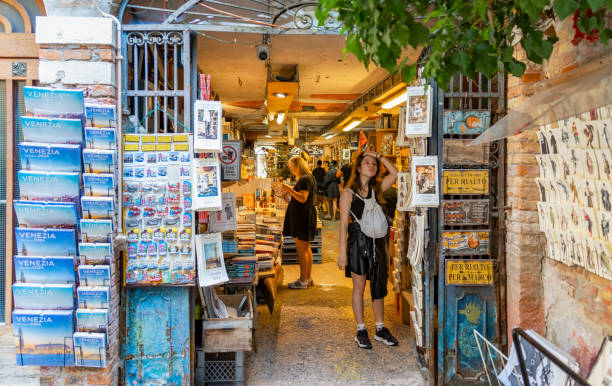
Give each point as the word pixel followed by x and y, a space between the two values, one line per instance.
pixel 568 305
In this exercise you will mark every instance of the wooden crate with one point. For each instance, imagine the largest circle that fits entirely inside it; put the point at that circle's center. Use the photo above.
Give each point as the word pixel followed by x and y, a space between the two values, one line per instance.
pixel 230 334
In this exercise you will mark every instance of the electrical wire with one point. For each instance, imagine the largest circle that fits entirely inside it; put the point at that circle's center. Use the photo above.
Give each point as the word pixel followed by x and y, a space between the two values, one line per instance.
pixel 242 17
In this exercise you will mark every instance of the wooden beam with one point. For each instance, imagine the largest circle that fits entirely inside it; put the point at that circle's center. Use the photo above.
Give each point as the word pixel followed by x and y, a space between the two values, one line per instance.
pixel 27 22
pixel 18 45
pixel 6 24
pixel 339 97
pixel 10 174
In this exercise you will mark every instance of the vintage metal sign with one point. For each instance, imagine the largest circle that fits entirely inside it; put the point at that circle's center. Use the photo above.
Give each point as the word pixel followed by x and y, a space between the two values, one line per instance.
pixel 465 212
pixel 469 272
pixel 461 243
pixel 465 181
pixel 466 122
pixel 458 152
pixel 230 160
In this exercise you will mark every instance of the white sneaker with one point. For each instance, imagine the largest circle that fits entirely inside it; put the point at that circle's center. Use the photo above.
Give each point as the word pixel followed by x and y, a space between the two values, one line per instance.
pixel 298 284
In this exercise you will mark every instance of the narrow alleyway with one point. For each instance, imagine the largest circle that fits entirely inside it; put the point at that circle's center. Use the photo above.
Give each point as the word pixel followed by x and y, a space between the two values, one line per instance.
pixel 309 337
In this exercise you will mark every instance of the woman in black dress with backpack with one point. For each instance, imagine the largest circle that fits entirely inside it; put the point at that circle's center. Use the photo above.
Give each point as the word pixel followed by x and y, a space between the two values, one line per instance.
pixel 363 257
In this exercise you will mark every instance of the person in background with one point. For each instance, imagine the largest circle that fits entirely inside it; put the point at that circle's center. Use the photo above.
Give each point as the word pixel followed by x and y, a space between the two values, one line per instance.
pixel 301 218
pixel 332 190
pixel 346 170
pixel 355 257
pixel 319 174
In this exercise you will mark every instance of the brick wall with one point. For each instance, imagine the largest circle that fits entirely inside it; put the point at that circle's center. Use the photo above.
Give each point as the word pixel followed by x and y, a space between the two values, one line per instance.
pixel 570 306
pixel 79 52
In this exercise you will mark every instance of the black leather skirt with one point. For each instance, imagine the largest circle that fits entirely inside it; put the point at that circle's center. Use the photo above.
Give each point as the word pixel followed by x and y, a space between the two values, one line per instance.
pixel 367 256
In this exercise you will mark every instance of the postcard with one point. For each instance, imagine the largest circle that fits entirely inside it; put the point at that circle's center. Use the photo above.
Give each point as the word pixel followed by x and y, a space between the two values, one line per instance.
pixel 591 259
pixel 604 162
pixel 590 135
pixel 555 145
pixel 543 216
pixel 95 253
pixel 604 129
pixel 425 181
pixel 45 130
pixel 50 102
pixel 35 296
pixel 94 320
pixel 542 189
pixel 93 297
pixel 96 231
pixel 44 269
pixel 577 161
pixel 566 136
pixel 555 165
pixel 589 222
pixel 466 122
pixel 225 219
pixel 419 107
pixel 207 192
pixel 465 181
pixel 543 142
pixel 590 166
pixel 210 262
pixel 588 190
pixel 45 242
pixel 99 161
pixel 208 131
pixel 459 152
pixel 42 338
pixel 97 207
pixel 543 163
pixel 604 259
pixel 465 243
pixel 94 275
pixel 50 157
pixel 562 190
pixel 35 214
pixel 576 254
pixel 98 185
pixel 43 186
pixel 604 190
pixel 100 115
pixel 100 138
pixel 572 184
pixel 403 191
pixel 604 225
pixel 566 166
pixel 89 349
pixel 575 215
pixel 577 133
pixel 465 212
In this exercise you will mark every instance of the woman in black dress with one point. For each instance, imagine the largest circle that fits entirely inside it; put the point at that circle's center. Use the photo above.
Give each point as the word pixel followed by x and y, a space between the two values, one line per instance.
pixel 301 218
pixel 362 257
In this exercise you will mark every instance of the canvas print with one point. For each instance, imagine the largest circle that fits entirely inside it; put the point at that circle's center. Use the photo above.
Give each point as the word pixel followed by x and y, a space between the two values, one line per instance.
pixel 44 270
pixel 34 214
pixel 465 243
pixel 50 157
pixel 95 253
pixel 89 349
pixel 97 208
pixel 94 275
pixel 98 161
pixel 45 242
pixel 43 186
pixel 466 122
pixel 208 131
pixel 419 106
pixel 459 152
pixel 100 115
pixel 207 192
pixel 225 219
pixel 98 185
pixel 93 297
pixel 465 181
pixel 35 296
pixel 91 320
pixel 424 182
pixel 210 262
pixel 543 142
pixel 465 212
pixel 57 103
pixel 43 338
pixel 100 138
pixel 45 130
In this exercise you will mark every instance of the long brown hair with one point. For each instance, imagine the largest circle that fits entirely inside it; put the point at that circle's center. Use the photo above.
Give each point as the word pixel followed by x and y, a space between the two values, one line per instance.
pixel 301 165
pixel 354 182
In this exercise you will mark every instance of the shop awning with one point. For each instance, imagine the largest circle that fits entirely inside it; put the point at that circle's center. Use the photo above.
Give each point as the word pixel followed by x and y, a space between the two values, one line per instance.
pixel 589 91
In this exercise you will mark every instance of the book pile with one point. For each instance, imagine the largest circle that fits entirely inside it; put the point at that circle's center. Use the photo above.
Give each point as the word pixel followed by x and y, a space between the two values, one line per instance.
pixel 228 241
pixel 241 269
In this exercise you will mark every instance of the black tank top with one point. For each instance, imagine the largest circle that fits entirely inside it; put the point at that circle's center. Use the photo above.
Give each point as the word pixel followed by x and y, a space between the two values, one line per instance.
pixel 358 205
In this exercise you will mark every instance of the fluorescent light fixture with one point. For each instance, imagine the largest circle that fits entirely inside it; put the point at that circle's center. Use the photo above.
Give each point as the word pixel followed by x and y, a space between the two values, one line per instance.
pixel 395 101
pixel 280 118
pixel 329 136
pixel 351 125
pixel 265 121
pixel 268 136
pixel 280 94
pixel 271 116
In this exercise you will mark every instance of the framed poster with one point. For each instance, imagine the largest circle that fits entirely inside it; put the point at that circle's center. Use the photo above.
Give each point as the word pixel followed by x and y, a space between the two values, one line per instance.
pixel 465 182
pixel 465 212
pixel 466 122
pixel 211 265
pixel 469 272
pixel 418 112
pixel 208 132
pixel 230 160
pixel 225 219
pixel 461 243
pixel 459 151
pixel 425 181
pixel 207 182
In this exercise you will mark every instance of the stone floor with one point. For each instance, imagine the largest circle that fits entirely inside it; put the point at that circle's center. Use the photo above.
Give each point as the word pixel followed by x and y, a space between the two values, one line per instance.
pixel 309 337
pixel 10 373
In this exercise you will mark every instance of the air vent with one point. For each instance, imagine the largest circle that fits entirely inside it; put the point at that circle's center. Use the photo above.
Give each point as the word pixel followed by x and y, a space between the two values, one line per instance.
pixel 308 108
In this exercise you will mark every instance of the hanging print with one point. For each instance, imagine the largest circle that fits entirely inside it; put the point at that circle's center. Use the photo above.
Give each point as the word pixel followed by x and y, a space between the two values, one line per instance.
pixel 208 132
pixel 466 122
pixel 418 114
pixel 225 219
pixel 403 191
pixel 425 181
pixel 211 265
pixel 206 179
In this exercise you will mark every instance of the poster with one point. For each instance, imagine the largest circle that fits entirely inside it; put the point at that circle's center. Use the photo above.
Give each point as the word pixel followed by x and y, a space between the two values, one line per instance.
pixel 225 219
pixel 466 122
pixel 208 131
pixel 418 112
pixel 35 296
pixel 45 270
pixel 206 179
pixel 465 181
pixel 34 214
pixel 469 272
pixel 43 338
pixel 465 212
pixel 89 349
pixel 403 191
pixel 211 265
pixel 230 160
pixel 459 152
pixel 461 243
pixel 425 181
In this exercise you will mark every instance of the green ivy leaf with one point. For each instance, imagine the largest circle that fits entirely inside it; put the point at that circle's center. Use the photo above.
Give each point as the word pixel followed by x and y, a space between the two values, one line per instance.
pixel 409 73
pixel 533 8
pixel 564 8
pixel 596 4
pixel 605 36
pixel 418 34
pixel 353 45
pixel 486 64
pixel 515 67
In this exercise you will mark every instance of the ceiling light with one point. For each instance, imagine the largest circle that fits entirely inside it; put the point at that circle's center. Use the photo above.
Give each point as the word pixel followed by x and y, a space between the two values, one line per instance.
pixel 280 94
pixel 265 121
pixel 271 116
pixel 351 125
pixel 280 118
pixel 395 101
pixel 267 136
pixel 329 136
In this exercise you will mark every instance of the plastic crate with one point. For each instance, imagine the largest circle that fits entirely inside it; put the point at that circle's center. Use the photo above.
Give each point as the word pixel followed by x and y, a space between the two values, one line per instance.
pixel 220 369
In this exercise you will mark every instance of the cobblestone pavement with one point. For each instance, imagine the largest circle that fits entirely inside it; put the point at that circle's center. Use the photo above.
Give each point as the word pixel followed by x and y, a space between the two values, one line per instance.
pixel 309 337
pixel 10 373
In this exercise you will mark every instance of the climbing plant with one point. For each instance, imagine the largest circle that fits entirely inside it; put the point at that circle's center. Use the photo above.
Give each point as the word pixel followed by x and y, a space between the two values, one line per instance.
pixel 466 36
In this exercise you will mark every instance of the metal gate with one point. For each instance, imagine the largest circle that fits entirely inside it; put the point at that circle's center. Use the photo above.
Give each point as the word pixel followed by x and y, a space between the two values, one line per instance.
pixel 461 309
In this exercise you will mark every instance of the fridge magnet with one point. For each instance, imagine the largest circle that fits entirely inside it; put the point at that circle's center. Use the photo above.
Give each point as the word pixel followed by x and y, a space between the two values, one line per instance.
pixel 50 157
pixel 419 105
pixel 465 212
pixel 89 349
pixel 459 152
pixel 45 130
pixel 208 131
pixel 56 103
pixel 465 181
pixel 93 297
pixel 543 142
pixel 403 191
pixel 466 122
pixel 100 115
pixel 43 186
pixel 225 219
pixel 34 214
pixel 36 296
pixel 207 182
pixel 45 270
pixel 45 242
pixel 92 320
pixel 99 161
pixel 425 181
pixel 465 243
pixel 42 338
pixel 210 262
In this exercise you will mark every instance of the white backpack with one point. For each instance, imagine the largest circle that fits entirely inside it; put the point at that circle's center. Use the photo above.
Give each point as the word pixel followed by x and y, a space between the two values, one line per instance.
pixel 373 221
